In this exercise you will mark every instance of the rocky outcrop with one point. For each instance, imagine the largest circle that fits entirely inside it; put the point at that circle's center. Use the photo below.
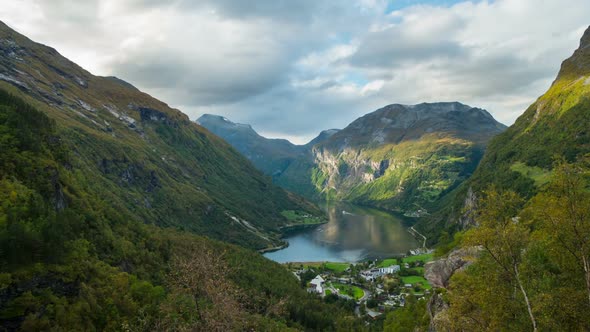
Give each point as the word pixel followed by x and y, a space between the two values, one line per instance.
pixel 439 272
pixel 436 308
pixel 467 219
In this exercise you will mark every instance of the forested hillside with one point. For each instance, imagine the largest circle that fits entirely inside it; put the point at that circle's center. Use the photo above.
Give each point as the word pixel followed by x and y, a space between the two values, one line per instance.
pixel 523 262
pixel 553 128
pixel 147 160
pixel 71 259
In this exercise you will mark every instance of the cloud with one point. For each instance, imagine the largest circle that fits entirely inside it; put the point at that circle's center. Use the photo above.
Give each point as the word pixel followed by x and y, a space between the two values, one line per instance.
pixel 294 68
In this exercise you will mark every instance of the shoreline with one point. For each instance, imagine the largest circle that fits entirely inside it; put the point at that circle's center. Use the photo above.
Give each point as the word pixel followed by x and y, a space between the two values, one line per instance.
pixel 285 231
pixel 273 249
pixel 296 227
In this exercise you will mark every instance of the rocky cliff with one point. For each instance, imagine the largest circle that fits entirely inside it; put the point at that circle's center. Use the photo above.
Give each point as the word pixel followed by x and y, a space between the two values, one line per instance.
pixel 404 157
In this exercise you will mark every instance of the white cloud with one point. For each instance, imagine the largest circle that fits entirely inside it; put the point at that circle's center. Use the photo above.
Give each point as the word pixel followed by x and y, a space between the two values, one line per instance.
pixel 293 68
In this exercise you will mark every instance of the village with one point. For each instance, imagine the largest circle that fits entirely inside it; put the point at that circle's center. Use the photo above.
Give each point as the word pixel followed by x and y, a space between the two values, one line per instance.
pixel 375 286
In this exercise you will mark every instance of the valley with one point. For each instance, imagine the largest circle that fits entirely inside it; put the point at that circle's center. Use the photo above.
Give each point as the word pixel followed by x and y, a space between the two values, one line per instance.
pixel 402 158
pixel 120 212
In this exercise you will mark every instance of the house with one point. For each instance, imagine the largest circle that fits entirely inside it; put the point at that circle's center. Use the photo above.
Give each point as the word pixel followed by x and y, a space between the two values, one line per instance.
pixel 390 269
pixel 317 285
pixel 372 274
pixel 373 314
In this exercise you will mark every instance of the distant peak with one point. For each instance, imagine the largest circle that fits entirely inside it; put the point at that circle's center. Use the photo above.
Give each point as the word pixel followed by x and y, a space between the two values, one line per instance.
pixel 438 107
pixel 329 131
pixel 213 120
pixel 213 117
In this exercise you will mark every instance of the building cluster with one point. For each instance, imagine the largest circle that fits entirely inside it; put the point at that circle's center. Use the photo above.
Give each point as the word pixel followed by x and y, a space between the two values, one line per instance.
pixel 374 273
pixel 383 287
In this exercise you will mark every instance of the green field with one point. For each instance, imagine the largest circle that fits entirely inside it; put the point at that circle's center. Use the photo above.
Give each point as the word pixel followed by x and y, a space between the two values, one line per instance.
pixel 350 290
pixel 302 217
pixel 419 270
pixel 537 174
pixel 387 262
pixel 337 267
pixel 332 266
pixel 415 280
pixel 424 257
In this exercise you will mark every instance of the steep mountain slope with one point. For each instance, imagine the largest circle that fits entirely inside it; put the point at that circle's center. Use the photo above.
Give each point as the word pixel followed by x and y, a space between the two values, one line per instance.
pixel 289 165
pixel 543 157
pixel 148 160
pixel 89 170
pixel 271 156
pixel 403 157
pixel 555 126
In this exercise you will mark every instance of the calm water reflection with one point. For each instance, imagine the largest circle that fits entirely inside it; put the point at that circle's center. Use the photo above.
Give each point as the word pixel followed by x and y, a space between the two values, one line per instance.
pixel 353 233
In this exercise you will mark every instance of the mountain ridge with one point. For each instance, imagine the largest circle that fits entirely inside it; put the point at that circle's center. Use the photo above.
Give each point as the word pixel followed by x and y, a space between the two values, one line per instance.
pixel 170 171
pixel 350 164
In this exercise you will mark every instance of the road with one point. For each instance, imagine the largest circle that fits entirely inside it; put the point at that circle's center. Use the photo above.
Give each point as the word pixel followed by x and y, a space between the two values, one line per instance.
pixel 424 237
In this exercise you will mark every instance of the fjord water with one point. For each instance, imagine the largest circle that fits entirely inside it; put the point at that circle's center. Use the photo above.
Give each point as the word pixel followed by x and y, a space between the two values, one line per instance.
pixel 353 233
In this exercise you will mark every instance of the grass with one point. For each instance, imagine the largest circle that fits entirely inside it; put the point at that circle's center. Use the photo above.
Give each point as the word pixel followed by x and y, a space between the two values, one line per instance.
pixel 333 266
pixel 418 269
pixel 328 292
pixel 537 174
pixel 301 217
pixel 350 290
pixel 337 267
pixel 424 257
pixel 416 280
pixel 387 262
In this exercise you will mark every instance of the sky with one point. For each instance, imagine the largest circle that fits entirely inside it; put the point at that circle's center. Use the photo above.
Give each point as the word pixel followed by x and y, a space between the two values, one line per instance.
pixel 292 68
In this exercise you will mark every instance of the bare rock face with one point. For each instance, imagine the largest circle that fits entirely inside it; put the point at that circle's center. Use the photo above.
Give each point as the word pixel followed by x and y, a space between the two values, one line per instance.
pixel 469 206
pixel 440 271
pixel 437 307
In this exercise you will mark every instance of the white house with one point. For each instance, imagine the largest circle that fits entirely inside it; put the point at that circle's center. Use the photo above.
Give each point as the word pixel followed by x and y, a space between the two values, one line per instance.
pixel 317 284
pixel 389 270
pixel 373 274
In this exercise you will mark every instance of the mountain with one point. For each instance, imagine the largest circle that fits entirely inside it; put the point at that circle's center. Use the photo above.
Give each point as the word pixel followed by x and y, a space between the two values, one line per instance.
pixel 403 157
pixel 271 156
pixel 323 136
pixel 555 125
pixel 148 159
pixel 522 158
pixel 400 157
pixel 521 221
pixel 289 165
pixel 105 195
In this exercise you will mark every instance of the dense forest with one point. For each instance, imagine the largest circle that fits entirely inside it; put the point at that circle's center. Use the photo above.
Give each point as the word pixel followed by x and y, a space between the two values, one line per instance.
pixel 530 270
pixel 71 261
